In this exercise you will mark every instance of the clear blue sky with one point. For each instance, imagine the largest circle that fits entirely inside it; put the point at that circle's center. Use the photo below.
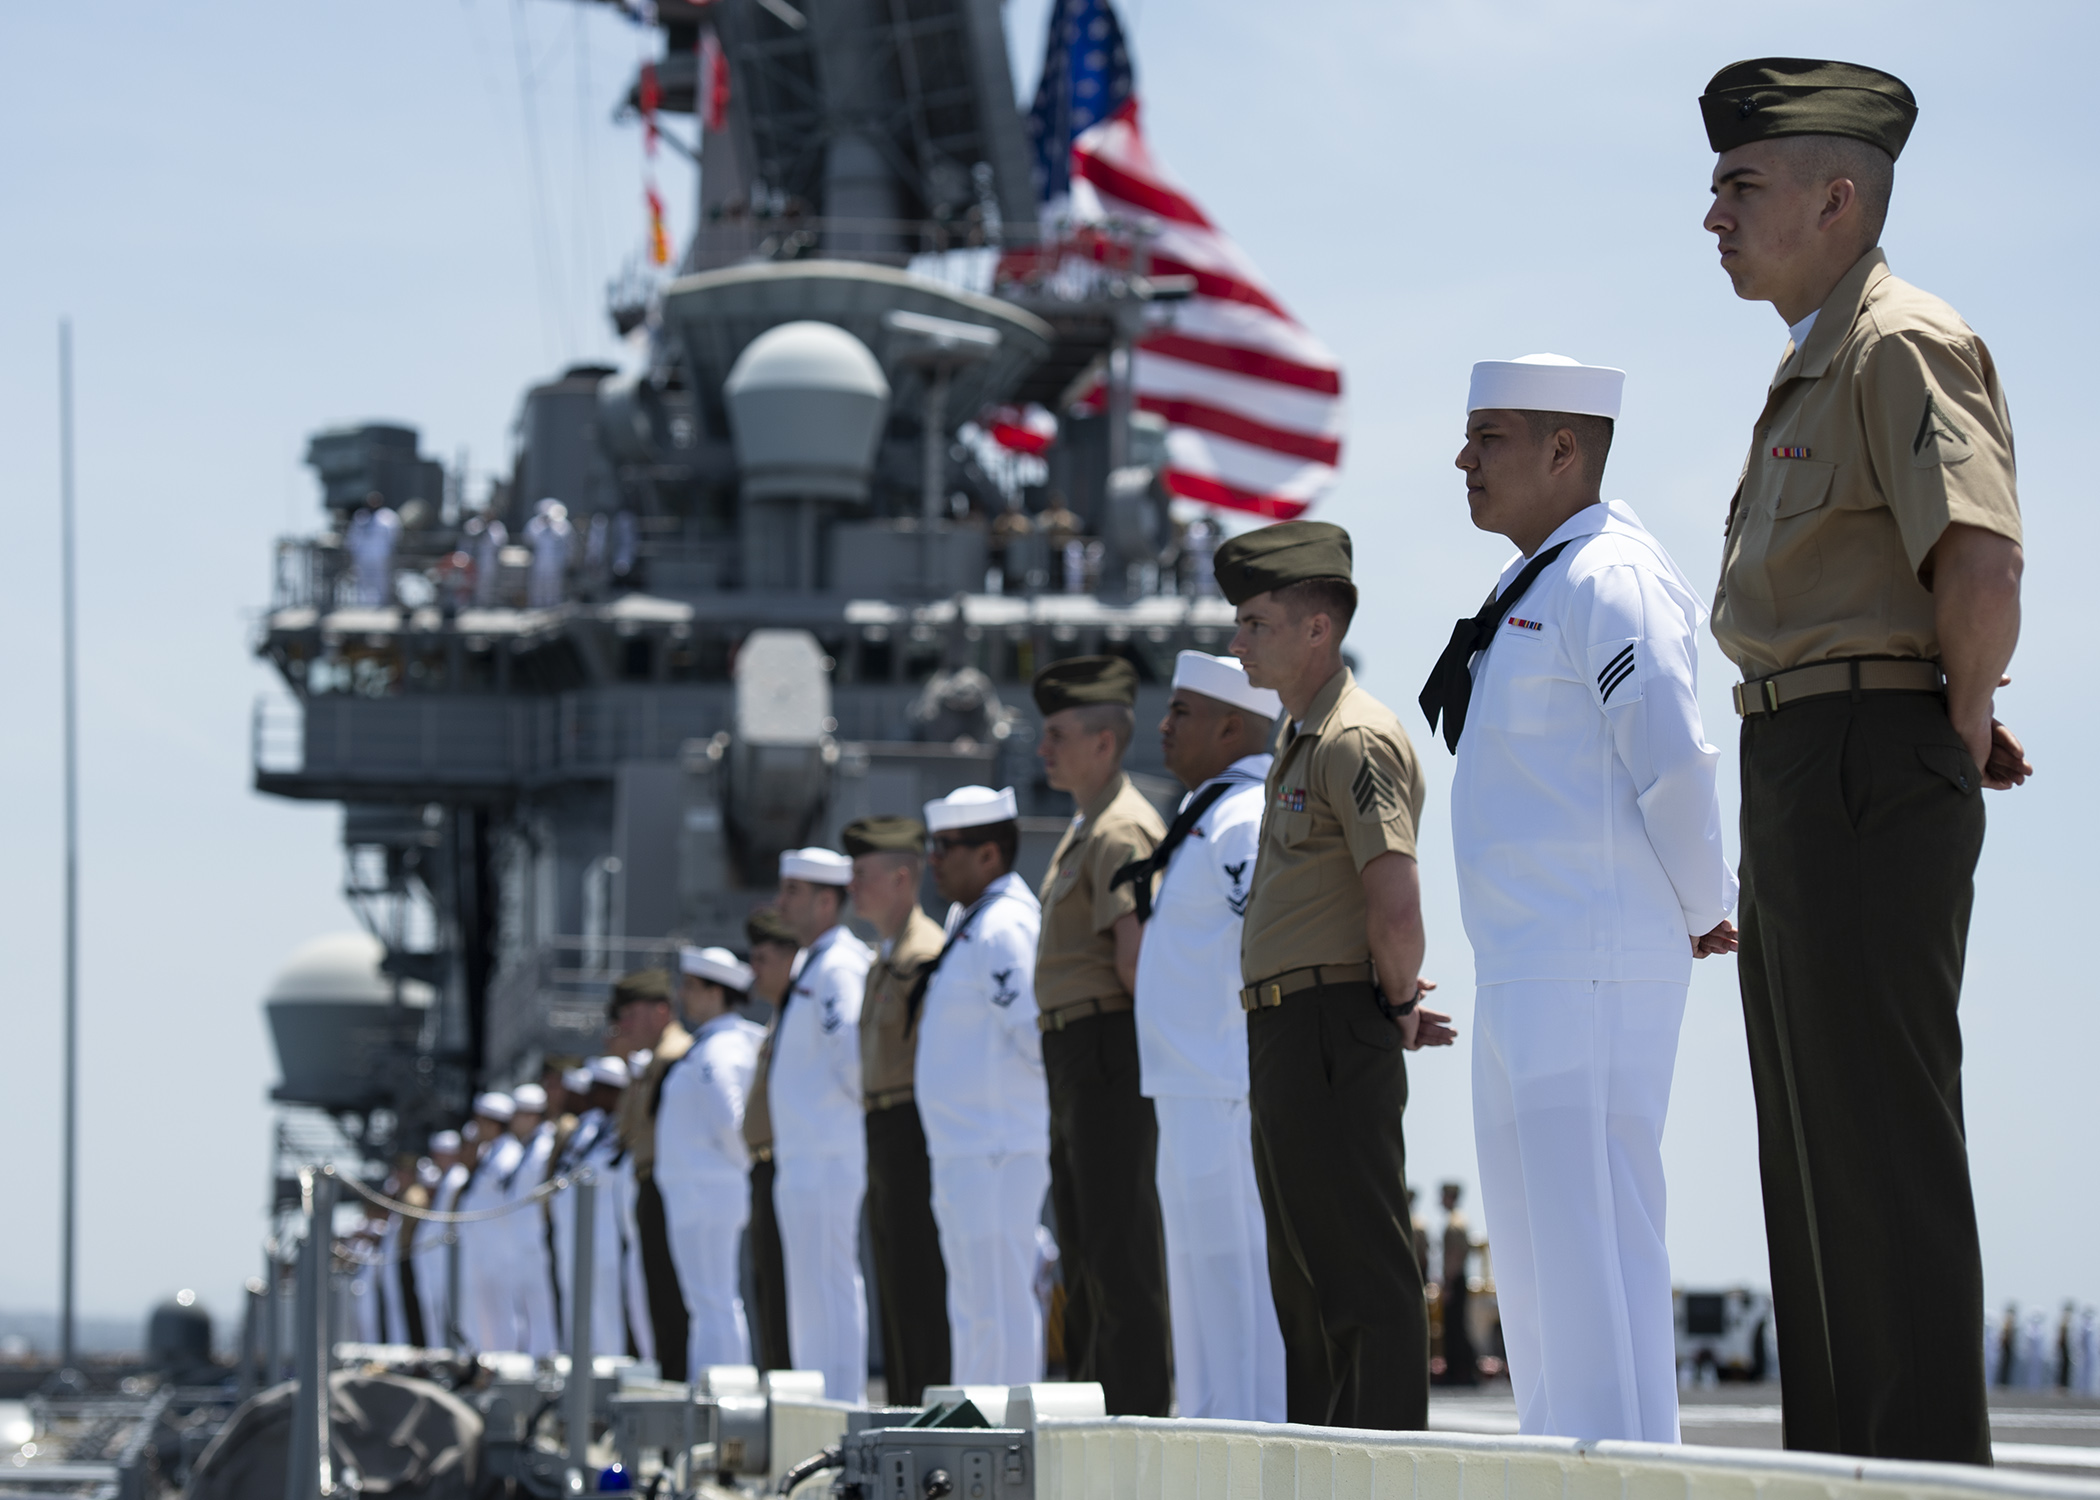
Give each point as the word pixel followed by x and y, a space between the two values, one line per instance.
pixel 268 218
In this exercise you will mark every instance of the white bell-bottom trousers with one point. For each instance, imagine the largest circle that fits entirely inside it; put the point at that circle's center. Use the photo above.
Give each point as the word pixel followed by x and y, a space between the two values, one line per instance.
pixel 987 1209
pixel 817 1201
pixel 1228 1348
pixel 1571 1084
pixel 705 1219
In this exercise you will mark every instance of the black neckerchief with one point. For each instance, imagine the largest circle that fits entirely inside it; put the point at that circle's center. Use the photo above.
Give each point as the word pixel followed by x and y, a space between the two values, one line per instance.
pixel 1142 870
pixel 1449 691
pixel 917 997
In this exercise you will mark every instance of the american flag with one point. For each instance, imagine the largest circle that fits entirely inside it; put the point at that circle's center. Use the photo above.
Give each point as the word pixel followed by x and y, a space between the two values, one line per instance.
pixel 1252 399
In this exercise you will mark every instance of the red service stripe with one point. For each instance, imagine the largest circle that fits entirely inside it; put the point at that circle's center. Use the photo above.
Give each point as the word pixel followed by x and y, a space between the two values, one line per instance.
pixel 1185 413
pixel 1224 288
pixel 1139 192
pixel 1216 492
pixel 1238 361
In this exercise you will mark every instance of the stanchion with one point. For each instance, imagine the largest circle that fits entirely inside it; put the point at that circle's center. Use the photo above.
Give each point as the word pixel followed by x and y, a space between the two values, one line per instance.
pixel 576 1395
pixel 266 1355
pixel 310 1470
pixel 452 1322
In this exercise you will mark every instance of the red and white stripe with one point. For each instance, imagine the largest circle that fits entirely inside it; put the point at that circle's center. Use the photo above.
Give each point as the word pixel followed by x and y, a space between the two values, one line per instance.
pixel 1253 401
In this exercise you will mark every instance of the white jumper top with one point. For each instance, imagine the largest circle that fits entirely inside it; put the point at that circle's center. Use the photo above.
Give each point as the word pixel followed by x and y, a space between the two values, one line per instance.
pixel 1584 812
pixel 1191 1031
pixel 700 1113
pixel 814 1090
pixel 979 1076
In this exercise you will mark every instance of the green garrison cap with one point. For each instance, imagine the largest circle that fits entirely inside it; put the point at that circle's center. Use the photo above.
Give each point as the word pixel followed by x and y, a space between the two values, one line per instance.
pixel 884 836
pixel 642 984
pixel 768 926
pixel 1276 556
pixel 1775 96
pixel 1080 680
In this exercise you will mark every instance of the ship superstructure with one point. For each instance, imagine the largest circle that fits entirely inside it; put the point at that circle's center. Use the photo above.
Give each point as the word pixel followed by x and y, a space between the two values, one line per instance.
pixel 766 577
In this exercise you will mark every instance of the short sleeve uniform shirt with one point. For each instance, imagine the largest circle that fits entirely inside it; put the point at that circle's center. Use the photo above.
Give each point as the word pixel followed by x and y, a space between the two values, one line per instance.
pixel 1078 958
pixel 886 1039
pixel 1344 789
pixel 1880 431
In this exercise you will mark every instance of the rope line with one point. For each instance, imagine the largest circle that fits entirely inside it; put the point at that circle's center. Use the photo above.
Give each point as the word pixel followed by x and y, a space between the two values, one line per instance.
pixel 539 1194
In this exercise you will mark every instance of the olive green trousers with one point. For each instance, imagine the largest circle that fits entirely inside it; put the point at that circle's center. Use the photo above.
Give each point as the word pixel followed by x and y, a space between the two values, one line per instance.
pixel 1862 822
pixel 1328 1082
pixel 911 1280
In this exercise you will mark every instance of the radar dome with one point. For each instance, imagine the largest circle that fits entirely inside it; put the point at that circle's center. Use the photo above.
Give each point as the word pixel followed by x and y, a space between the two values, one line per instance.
pixel 807 402
pixel 341 967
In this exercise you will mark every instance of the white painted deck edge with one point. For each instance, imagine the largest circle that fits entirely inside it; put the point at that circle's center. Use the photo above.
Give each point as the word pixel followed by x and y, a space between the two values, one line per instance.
pixel 1144 1458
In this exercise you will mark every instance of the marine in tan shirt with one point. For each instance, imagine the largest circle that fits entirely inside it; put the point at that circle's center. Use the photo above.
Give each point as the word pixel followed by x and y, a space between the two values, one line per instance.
pixel 642 1021
pixel 911 1281
pixel 1884 428
pixel 1076 967
pixel 773 949
pixel 1104 1136
pixel 1344 788
pixel 1870 592
pixel 1331 952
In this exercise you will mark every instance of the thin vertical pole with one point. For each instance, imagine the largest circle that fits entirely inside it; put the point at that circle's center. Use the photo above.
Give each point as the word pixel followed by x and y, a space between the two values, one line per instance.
pixel 67 1251
pixel 576 1395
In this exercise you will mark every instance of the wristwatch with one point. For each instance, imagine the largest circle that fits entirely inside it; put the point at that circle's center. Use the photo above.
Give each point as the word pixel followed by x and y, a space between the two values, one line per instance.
pixel 1405 1008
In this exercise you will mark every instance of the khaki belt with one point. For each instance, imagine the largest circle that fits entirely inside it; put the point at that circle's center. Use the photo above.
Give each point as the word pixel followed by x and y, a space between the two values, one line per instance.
pixel 761 1153
pixel 1085 1010
pixel 1270 992
pixel 1826 679
pixel 887 1098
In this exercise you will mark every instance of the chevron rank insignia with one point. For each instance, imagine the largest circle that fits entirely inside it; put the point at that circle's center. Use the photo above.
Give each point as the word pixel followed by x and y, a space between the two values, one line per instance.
pixel 1372 790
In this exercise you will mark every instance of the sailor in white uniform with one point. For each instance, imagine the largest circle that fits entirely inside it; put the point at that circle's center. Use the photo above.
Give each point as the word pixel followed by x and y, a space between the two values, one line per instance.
pixel 594 1146
pixel 449 1154
pixel 1192 1043
pixel 549 535
pixel 1587 830
pixel 702 1168
pixel 370 539
pixel 980 1088
pixel 485 1312
pixel 525 1227
pixel 820 1147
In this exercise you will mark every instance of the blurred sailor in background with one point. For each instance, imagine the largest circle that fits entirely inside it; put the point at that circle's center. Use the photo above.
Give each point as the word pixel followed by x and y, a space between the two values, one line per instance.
pixel 595 1147
pixel 1587 830
pixel 643 1022
pixel 550 536
pixel 525 1227
pixel 411 1184
pixel 911 1282
pixel 1192 1043
pixel 773 951
pixel 450 1156
pixel 980 1087
pixel 484 1274
pixel 369 539
pixel 701 1165
pixel 819 1143
pixel 486 537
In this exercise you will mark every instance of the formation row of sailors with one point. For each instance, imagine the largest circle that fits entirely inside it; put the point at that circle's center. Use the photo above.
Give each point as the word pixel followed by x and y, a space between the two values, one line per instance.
pixel 1193 1036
